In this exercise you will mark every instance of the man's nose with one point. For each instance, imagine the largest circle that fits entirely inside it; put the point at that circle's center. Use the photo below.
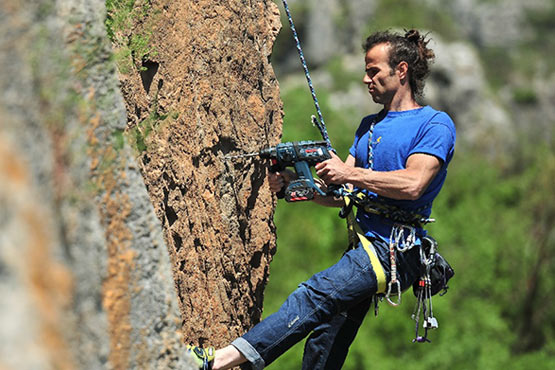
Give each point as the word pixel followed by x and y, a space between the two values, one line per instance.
pixel 366 79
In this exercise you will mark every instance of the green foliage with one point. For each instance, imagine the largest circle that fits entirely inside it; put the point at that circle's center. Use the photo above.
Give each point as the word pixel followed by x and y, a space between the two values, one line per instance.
pixel 542 45
pixel 525 96
pixel 340 78
pixel 413 14
pixel 140 136
pixel 118 139
pixel 526 59
pixel 129 25
pixel 498 65
pixel 119 13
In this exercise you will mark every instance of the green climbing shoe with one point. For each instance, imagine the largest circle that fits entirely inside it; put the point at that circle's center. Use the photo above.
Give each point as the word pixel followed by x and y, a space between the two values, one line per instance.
pixel 203 357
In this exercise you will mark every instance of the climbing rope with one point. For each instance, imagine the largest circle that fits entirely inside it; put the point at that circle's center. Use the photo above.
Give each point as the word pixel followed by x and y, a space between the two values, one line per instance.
pixel 318 122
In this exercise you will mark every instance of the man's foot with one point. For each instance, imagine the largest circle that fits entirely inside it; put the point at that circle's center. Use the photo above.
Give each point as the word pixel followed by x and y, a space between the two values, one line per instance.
pixel 203 357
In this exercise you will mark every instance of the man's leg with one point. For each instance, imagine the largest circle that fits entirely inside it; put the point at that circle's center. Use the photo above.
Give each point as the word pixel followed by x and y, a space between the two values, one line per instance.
pixel 326 348
pixel 328 345
pixel 342 286
pixel 228 357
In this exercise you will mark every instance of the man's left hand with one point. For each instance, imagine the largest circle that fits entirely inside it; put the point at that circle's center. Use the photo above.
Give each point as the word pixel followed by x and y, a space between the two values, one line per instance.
pixel 333 170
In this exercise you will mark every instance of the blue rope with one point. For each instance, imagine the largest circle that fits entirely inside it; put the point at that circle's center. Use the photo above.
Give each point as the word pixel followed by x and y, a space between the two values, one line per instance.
pixel 320 121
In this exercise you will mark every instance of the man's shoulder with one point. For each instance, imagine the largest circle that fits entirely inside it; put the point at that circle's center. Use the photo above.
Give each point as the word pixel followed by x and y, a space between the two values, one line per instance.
pixel 439 117
pixel 365 124
pixel 436 114
pixel 369 118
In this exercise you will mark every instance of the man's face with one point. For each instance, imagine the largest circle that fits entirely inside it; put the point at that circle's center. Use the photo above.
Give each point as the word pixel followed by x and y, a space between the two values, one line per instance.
pixel 382 81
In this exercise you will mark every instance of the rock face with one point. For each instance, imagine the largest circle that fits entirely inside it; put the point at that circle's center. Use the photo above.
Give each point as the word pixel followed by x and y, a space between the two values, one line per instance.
pixel 204 89
pixel 85 275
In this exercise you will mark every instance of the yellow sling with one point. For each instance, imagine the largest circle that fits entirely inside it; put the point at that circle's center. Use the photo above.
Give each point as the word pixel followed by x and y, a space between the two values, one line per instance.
pixel 356 234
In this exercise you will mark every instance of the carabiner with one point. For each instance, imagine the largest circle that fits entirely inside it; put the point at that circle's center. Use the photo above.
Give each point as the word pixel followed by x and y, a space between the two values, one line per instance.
pixel 389 293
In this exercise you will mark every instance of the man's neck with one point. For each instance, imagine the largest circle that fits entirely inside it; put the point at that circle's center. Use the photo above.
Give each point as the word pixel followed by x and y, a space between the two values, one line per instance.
pixel 402 101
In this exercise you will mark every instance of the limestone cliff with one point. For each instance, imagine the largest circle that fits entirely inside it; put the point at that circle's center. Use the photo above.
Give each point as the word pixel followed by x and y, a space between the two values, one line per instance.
pixel 86 265
pixel 203 87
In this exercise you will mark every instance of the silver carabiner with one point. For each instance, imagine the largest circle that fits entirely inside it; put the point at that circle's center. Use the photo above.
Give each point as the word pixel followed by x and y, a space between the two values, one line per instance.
pixel 403 243
pixel 398 293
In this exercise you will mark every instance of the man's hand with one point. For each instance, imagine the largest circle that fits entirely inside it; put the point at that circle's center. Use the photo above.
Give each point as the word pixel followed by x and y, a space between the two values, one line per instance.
pixel 334 170
pixel 277 180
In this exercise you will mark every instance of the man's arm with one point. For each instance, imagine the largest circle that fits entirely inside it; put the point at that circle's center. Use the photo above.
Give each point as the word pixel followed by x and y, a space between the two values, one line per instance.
pixel 409 183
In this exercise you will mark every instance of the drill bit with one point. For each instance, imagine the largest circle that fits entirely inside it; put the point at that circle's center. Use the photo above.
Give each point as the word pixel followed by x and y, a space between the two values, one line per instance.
pixel 246 155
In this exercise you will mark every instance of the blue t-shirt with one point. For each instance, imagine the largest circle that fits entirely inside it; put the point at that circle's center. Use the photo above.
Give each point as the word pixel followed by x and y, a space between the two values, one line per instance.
pixel 397 136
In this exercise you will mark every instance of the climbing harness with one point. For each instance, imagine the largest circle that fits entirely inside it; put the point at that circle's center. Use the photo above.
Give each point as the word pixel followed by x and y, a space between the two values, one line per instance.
pixel 395 214
pixel 434 275
pixel 318 122
pixel 357 235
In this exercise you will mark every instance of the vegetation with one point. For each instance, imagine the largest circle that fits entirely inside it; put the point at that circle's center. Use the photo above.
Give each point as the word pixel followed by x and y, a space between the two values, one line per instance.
pixel 132 48
pixel 407 14
pixel 140 136
pixel 129 25
pixel 495 225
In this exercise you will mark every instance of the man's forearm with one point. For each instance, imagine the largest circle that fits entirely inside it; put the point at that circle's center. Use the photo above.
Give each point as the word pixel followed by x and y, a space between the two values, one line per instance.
pixel 402 184
pixel 328 201
pixel 406 184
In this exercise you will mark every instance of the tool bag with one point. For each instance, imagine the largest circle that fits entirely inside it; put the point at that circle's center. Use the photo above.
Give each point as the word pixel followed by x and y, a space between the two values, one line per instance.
pixel 440 271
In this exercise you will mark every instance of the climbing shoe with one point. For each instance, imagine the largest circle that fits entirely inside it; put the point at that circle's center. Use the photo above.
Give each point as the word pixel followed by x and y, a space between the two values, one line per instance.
pixel 203 357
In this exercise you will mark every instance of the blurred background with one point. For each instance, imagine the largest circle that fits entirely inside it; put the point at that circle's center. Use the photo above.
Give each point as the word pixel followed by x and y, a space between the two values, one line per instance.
pixel 494 74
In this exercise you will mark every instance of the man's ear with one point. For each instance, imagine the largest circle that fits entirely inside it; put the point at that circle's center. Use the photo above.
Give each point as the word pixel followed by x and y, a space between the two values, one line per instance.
pixel 403 70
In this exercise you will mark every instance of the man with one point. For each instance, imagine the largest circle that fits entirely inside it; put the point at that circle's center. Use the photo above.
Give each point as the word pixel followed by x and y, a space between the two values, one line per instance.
pixel 398 160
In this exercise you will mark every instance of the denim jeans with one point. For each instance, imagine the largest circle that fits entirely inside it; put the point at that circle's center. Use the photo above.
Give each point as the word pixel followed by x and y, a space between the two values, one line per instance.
pixel 330 306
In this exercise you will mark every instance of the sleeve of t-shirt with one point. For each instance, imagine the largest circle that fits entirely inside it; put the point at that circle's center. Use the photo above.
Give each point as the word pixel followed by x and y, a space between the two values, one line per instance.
pixel 353 150
pixel 437 139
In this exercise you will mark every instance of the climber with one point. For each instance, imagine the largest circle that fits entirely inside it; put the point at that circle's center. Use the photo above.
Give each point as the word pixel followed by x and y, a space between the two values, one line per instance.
pixel 398 159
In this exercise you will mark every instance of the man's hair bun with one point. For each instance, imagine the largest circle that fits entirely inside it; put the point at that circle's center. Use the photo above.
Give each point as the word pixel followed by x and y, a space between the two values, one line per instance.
pixel 413 36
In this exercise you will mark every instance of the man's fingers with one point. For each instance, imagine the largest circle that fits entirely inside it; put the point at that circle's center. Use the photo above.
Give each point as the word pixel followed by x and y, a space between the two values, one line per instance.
pixel 276 181
pixel 321 169
pixel 325 172
pixel 333 155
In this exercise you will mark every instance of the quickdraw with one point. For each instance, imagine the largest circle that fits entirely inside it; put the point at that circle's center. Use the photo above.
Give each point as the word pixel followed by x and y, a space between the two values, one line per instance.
pixel 398 242
pixel 423 294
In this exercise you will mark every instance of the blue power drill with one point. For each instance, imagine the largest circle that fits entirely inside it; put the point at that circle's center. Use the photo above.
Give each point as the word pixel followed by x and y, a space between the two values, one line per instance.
pixel 298 154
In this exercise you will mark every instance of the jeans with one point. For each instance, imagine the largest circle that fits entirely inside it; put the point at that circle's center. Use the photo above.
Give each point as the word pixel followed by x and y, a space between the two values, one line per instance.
pixel 330 306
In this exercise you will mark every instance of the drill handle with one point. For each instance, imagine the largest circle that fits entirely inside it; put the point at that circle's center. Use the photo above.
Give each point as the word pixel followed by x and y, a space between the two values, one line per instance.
pixel 303 171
